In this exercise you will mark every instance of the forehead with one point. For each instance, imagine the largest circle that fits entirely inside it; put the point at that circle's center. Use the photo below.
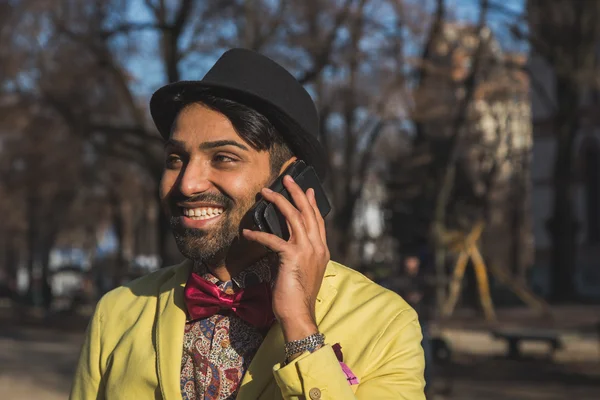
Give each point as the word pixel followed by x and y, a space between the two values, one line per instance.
pixel 197 123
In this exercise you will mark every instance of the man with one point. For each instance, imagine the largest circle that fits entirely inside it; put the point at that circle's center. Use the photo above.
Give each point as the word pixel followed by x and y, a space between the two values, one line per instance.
pixel 413 287
pixel 247 315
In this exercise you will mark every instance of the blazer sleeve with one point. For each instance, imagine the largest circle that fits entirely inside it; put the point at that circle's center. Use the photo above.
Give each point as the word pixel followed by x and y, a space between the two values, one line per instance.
pixel 87 383
pixel 398 362
pixel 395 368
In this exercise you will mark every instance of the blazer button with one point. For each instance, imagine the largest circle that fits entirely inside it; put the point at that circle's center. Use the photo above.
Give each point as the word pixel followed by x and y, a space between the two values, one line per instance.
pixel 314 393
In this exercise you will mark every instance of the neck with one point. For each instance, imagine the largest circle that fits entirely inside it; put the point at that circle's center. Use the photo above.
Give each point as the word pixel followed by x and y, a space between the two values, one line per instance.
pixel 234 262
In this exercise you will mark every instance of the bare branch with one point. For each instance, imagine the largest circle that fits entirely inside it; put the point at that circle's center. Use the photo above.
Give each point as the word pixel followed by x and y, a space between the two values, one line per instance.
pixel 157 9
pixel 133 130
pixel 182 16
pixel 259 39
pixel 435 33
pixel 323 56
pixel 504 10
pixel 131 27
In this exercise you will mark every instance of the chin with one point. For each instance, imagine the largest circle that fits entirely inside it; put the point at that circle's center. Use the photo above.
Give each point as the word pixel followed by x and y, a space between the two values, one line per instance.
pixel 190 248
pixel 203 246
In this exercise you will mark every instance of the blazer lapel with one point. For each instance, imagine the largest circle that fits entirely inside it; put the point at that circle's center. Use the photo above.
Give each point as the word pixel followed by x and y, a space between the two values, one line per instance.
pixel 271 351
pixel 170 323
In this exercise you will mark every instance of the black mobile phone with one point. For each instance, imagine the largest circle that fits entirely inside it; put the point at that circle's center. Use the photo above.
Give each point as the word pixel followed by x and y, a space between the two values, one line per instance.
pixel 267 216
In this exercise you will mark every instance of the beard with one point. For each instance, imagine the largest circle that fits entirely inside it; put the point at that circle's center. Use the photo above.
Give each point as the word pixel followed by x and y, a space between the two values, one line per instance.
pixel 210 246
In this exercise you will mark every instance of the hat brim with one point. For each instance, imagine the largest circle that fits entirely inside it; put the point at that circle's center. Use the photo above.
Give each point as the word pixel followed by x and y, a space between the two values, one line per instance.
pixel 164 108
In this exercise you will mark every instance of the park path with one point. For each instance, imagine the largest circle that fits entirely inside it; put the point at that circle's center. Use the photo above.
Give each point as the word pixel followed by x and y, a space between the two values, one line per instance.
pixel 37 362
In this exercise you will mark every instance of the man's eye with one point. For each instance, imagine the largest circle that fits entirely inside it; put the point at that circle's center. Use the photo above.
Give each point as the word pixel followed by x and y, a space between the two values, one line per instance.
pixel 172 161
pixel 224 158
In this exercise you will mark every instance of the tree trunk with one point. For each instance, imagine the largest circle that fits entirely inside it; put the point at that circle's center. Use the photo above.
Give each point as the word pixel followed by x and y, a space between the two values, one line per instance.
pixel 342 237
pixel 435 33
pixel 562 225
pixel 520 224
pixel 11 260
pixel 119 227
pixel 4 249
pixel 31 247
pixel 46 287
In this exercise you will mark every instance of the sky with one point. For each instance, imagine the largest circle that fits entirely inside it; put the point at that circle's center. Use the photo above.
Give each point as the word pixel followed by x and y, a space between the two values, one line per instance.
pixel 149 72
pixel 469 9
pixel 499 21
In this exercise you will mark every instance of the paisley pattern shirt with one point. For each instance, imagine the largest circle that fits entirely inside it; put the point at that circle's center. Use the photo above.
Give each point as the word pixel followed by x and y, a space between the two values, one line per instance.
pixel 218 350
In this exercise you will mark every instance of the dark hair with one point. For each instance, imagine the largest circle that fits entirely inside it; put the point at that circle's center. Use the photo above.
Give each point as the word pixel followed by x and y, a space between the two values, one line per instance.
pixel 253 127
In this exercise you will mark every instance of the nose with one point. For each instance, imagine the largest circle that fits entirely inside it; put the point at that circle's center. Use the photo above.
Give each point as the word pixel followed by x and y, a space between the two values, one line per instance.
pixel 194 179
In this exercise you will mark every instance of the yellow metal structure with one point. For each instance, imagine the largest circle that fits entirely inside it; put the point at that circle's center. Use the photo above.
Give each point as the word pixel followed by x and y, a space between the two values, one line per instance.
pixel 466 246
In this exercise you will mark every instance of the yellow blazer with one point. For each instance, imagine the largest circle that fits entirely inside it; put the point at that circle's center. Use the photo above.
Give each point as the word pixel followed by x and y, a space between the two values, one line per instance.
pixel 134 345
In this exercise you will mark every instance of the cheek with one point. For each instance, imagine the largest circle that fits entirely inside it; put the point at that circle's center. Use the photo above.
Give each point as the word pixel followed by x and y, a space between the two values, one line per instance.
pixel 244 189
pixel 166 183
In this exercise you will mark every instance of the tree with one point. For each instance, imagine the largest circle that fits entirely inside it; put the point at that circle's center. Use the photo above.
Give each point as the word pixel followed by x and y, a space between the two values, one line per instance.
pixel 310 37
pixel 46 184
pixel 356 57
pixel 352 93
pixel 467 158
pixel 443 114
pixel 565 34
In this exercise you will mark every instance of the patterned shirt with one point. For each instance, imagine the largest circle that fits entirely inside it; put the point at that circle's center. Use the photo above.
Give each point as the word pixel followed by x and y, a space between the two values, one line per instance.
pixel 218 350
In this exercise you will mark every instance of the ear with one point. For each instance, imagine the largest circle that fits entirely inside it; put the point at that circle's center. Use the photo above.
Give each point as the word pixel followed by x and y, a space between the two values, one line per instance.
pixel 287 164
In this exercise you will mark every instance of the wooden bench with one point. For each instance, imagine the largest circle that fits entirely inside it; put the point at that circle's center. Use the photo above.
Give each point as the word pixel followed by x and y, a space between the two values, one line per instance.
pixel 515 337
pixel 442 352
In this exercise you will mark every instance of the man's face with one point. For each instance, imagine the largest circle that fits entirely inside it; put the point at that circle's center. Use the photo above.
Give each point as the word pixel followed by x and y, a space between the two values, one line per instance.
pixel 210 181
pixel 411 265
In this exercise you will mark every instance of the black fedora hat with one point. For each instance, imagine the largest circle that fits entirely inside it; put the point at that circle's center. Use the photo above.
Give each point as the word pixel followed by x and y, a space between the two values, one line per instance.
pixel 256 81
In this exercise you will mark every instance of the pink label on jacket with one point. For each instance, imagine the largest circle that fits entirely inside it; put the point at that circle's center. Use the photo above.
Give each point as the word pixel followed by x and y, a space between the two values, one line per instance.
pixel 352 379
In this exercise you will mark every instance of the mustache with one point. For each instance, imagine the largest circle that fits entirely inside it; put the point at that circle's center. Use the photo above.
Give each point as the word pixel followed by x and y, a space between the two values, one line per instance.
pixel 215 198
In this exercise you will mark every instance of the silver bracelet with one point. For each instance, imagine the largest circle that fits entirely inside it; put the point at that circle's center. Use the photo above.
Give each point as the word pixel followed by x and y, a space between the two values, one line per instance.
pixel 309 343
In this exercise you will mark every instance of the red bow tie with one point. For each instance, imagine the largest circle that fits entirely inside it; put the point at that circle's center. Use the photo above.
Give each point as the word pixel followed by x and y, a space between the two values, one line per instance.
pixel 253 304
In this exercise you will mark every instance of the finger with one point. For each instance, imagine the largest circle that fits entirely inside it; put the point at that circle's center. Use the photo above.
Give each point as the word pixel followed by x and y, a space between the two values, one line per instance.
pixel 323 233
pixel 303 204
pixel 292 215
pixel 318 216
pixel 273 242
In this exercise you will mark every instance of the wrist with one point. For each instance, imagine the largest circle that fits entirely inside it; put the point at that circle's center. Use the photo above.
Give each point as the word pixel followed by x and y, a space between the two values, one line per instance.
pixel 298 328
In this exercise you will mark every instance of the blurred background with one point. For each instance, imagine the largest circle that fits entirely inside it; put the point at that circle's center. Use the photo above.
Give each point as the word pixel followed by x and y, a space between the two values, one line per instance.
pixel 464 144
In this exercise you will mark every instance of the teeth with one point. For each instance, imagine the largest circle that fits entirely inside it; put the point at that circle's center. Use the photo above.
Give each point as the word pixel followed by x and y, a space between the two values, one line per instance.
pixel 202 213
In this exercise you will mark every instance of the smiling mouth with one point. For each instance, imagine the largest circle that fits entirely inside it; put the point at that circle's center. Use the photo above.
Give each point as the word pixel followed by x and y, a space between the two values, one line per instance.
pixel 202 213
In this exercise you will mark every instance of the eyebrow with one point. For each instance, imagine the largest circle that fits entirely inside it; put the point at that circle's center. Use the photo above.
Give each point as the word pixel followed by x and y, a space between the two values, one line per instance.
pixel 222 143
pixel 207 145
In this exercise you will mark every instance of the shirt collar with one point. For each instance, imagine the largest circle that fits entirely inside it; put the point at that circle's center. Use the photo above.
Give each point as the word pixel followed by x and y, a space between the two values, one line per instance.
pixel 259 272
